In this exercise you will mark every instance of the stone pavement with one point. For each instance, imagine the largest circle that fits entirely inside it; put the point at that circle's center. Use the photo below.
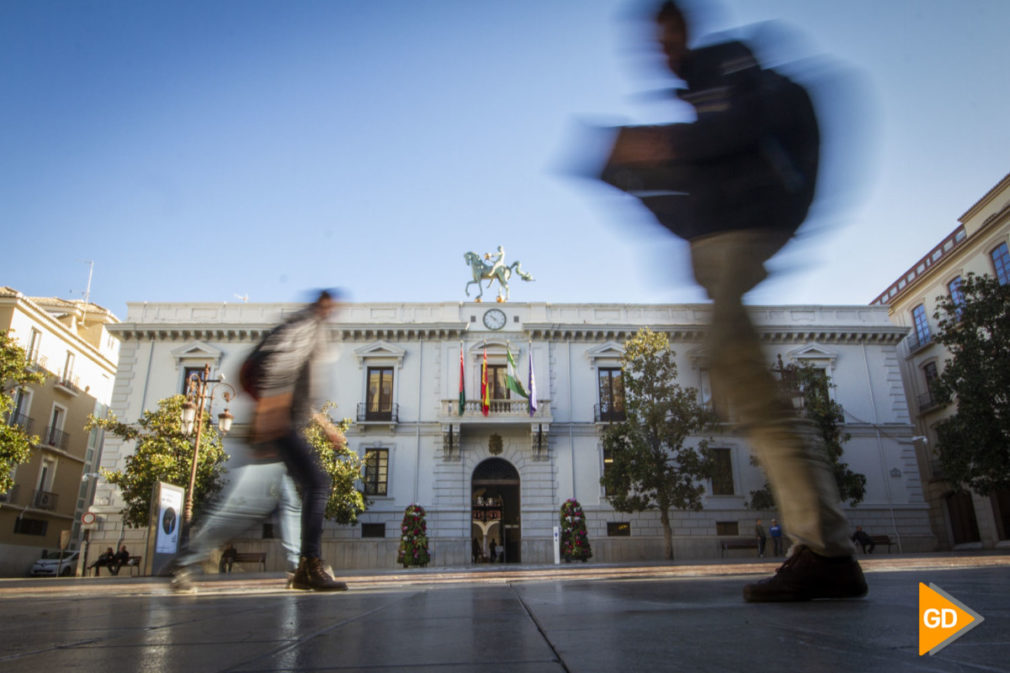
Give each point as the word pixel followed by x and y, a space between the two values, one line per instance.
pixel 581 618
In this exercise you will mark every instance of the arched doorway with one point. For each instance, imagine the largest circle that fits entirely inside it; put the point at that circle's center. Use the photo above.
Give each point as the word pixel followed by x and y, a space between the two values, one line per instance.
pixel 494 501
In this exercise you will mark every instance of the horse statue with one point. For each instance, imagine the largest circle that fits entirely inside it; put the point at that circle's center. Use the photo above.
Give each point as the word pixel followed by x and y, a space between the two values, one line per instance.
pixel 492 271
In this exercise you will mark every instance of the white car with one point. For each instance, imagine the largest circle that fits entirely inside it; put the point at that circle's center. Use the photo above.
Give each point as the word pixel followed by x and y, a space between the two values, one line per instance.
pixel 50 565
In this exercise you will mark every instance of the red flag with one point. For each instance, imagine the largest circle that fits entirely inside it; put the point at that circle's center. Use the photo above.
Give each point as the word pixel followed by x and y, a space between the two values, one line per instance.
pixel 485 401
pixel 462 395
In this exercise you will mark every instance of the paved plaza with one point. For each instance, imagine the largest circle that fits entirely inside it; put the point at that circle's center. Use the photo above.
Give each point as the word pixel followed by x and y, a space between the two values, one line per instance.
pixel 581 618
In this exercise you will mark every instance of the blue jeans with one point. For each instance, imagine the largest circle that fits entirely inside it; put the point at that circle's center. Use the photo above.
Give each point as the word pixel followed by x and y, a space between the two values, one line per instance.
pixel 253 493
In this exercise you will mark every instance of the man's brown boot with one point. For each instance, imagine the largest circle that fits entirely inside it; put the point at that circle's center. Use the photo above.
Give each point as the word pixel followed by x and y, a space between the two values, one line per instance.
pixel 312 576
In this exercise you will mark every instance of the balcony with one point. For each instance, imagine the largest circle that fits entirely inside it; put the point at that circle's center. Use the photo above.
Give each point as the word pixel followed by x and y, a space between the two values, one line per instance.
pixel 65 385
pixel 21 421
pixel 929 402
pixel 916 342
pixel 44 500
pixel 503 414
pixel 608 415
pixel 367 416
pixel 517 410
pixel 56 438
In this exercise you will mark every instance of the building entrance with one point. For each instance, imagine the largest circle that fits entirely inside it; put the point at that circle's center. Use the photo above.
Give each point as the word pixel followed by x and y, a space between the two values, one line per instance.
pixel 496 535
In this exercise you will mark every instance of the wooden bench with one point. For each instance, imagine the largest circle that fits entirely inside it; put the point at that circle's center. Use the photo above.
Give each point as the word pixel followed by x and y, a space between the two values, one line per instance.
pixel 134 565
pixel 737 543
pixel 259 557
pixel 882 540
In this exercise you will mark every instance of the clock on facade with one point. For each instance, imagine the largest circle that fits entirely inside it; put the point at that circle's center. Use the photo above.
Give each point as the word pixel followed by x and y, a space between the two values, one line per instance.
pixel 494 318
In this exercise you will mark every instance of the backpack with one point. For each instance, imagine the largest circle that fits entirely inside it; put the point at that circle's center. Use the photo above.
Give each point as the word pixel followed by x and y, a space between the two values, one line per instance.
pixel 250 374
pixel 769 182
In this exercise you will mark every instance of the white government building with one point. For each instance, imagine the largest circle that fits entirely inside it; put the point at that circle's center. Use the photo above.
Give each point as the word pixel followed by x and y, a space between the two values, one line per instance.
pixel 395 371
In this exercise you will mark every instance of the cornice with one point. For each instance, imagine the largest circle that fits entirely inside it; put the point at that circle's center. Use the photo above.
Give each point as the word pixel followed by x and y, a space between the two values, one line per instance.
pixel 247 333
pixel 778 334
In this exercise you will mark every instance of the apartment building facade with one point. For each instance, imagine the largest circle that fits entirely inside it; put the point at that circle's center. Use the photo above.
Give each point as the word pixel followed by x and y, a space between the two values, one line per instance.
pixel 70 341
pixel 978 245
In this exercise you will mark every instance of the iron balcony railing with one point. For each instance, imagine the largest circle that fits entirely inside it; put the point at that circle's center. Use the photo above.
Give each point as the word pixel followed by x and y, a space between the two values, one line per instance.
pixel 57 438
pixel 44 500
pixel 10 496
pixel 929 401
pixel 365 414
pixel 917 342
pixel 608 414
pixel 22 421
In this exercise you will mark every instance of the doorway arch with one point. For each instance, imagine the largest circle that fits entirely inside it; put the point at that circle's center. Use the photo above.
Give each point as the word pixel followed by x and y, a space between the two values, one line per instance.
pixel 495 511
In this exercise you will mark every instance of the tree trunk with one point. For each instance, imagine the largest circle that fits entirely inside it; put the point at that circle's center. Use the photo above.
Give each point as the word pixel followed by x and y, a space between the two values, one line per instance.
pixel 664 517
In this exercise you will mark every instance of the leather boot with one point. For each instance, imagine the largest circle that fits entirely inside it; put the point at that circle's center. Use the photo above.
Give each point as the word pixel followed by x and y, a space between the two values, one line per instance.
pixel 312 576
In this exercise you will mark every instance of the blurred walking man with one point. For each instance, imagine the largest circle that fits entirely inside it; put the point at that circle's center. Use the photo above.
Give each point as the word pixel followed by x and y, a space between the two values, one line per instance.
pixel 736 184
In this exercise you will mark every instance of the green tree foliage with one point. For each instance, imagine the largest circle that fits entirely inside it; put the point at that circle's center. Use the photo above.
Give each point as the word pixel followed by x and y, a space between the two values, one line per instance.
pixel 651 465
pixel 974 443
pixel 15 443
pixel 574 538
pixel 163 453
pixel 344 467
pixel 814 385
pixel 413 538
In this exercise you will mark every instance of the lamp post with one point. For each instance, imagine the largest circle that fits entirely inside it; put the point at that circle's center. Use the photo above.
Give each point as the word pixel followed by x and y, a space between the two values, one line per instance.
pixel 200 390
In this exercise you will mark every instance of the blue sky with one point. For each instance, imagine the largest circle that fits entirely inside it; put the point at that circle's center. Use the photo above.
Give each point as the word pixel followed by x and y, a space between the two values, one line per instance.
pixel 196 151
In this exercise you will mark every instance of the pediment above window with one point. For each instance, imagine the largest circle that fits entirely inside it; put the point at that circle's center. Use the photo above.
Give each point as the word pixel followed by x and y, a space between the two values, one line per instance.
pixel 197 351
pixel 380 350
pixel 610 350
pixel 495 349
pixel 813 354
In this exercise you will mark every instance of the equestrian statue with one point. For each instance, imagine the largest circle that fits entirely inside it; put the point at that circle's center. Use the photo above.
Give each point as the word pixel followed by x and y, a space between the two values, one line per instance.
pixel 493 268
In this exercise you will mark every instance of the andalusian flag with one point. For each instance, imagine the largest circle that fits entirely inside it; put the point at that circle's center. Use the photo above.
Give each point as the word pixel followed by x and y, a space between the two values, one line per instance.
pixel 533 385
pixel 462 395
pixel 511 381
pixel 485 400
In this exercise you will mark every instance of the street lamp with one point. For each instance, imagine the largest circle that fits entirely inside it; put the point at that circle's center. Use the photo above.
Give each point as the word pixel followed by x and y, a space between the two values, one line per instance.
pixel 200 390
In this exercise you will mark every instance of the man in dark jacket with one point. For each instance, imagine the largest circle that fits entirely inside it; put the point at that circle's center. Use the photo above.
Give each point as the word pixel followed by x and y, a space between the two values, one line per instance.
pixel 280 380
pixel 736 184
pixel 283 409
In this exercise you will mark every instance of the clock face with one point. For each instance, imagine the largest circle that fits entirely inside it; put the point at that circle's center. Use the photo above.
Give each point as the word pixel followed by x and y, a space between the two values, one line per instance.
pixel 494 319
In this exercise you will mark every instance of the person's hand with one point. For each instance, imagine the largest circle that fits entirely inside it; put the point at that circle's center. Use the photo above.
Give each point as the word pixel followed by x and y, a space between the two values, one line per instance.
pixel 272 418
pixel 333 433
pixel 641 145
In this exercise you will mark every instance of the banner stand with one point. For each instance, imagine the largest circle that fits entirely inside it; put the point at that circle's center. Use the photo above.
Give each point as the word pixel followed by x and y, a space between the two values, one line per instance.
pixel 164 527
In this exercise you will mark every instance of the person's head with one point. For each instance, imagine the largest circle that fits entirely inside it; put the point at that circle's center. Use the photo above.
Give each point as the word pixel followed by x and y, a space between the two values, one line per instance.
pixel 108 550
pixel 327 303
pixel 672 35
pixel 122 547
pixel 759 522
pixel 775 522
pixel 859 528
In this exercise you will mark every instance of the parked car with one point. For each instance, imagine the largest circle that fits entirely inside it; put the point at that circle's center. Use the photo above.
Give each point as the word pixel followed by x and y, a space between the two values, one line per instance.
pixel 51 565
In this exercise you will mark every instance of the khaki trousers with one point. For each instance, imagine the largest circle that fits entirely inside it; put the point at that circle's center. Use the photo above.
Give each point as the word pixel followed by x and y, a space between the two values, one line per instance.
pixel 790 450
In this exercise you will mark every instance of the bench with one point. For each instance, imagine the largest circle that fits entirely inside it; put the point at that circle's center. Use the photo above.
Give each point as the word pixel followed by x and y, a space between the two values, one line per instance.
pixel 259 557
pixel 134 565
pixel 737 543
pixel 881 540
